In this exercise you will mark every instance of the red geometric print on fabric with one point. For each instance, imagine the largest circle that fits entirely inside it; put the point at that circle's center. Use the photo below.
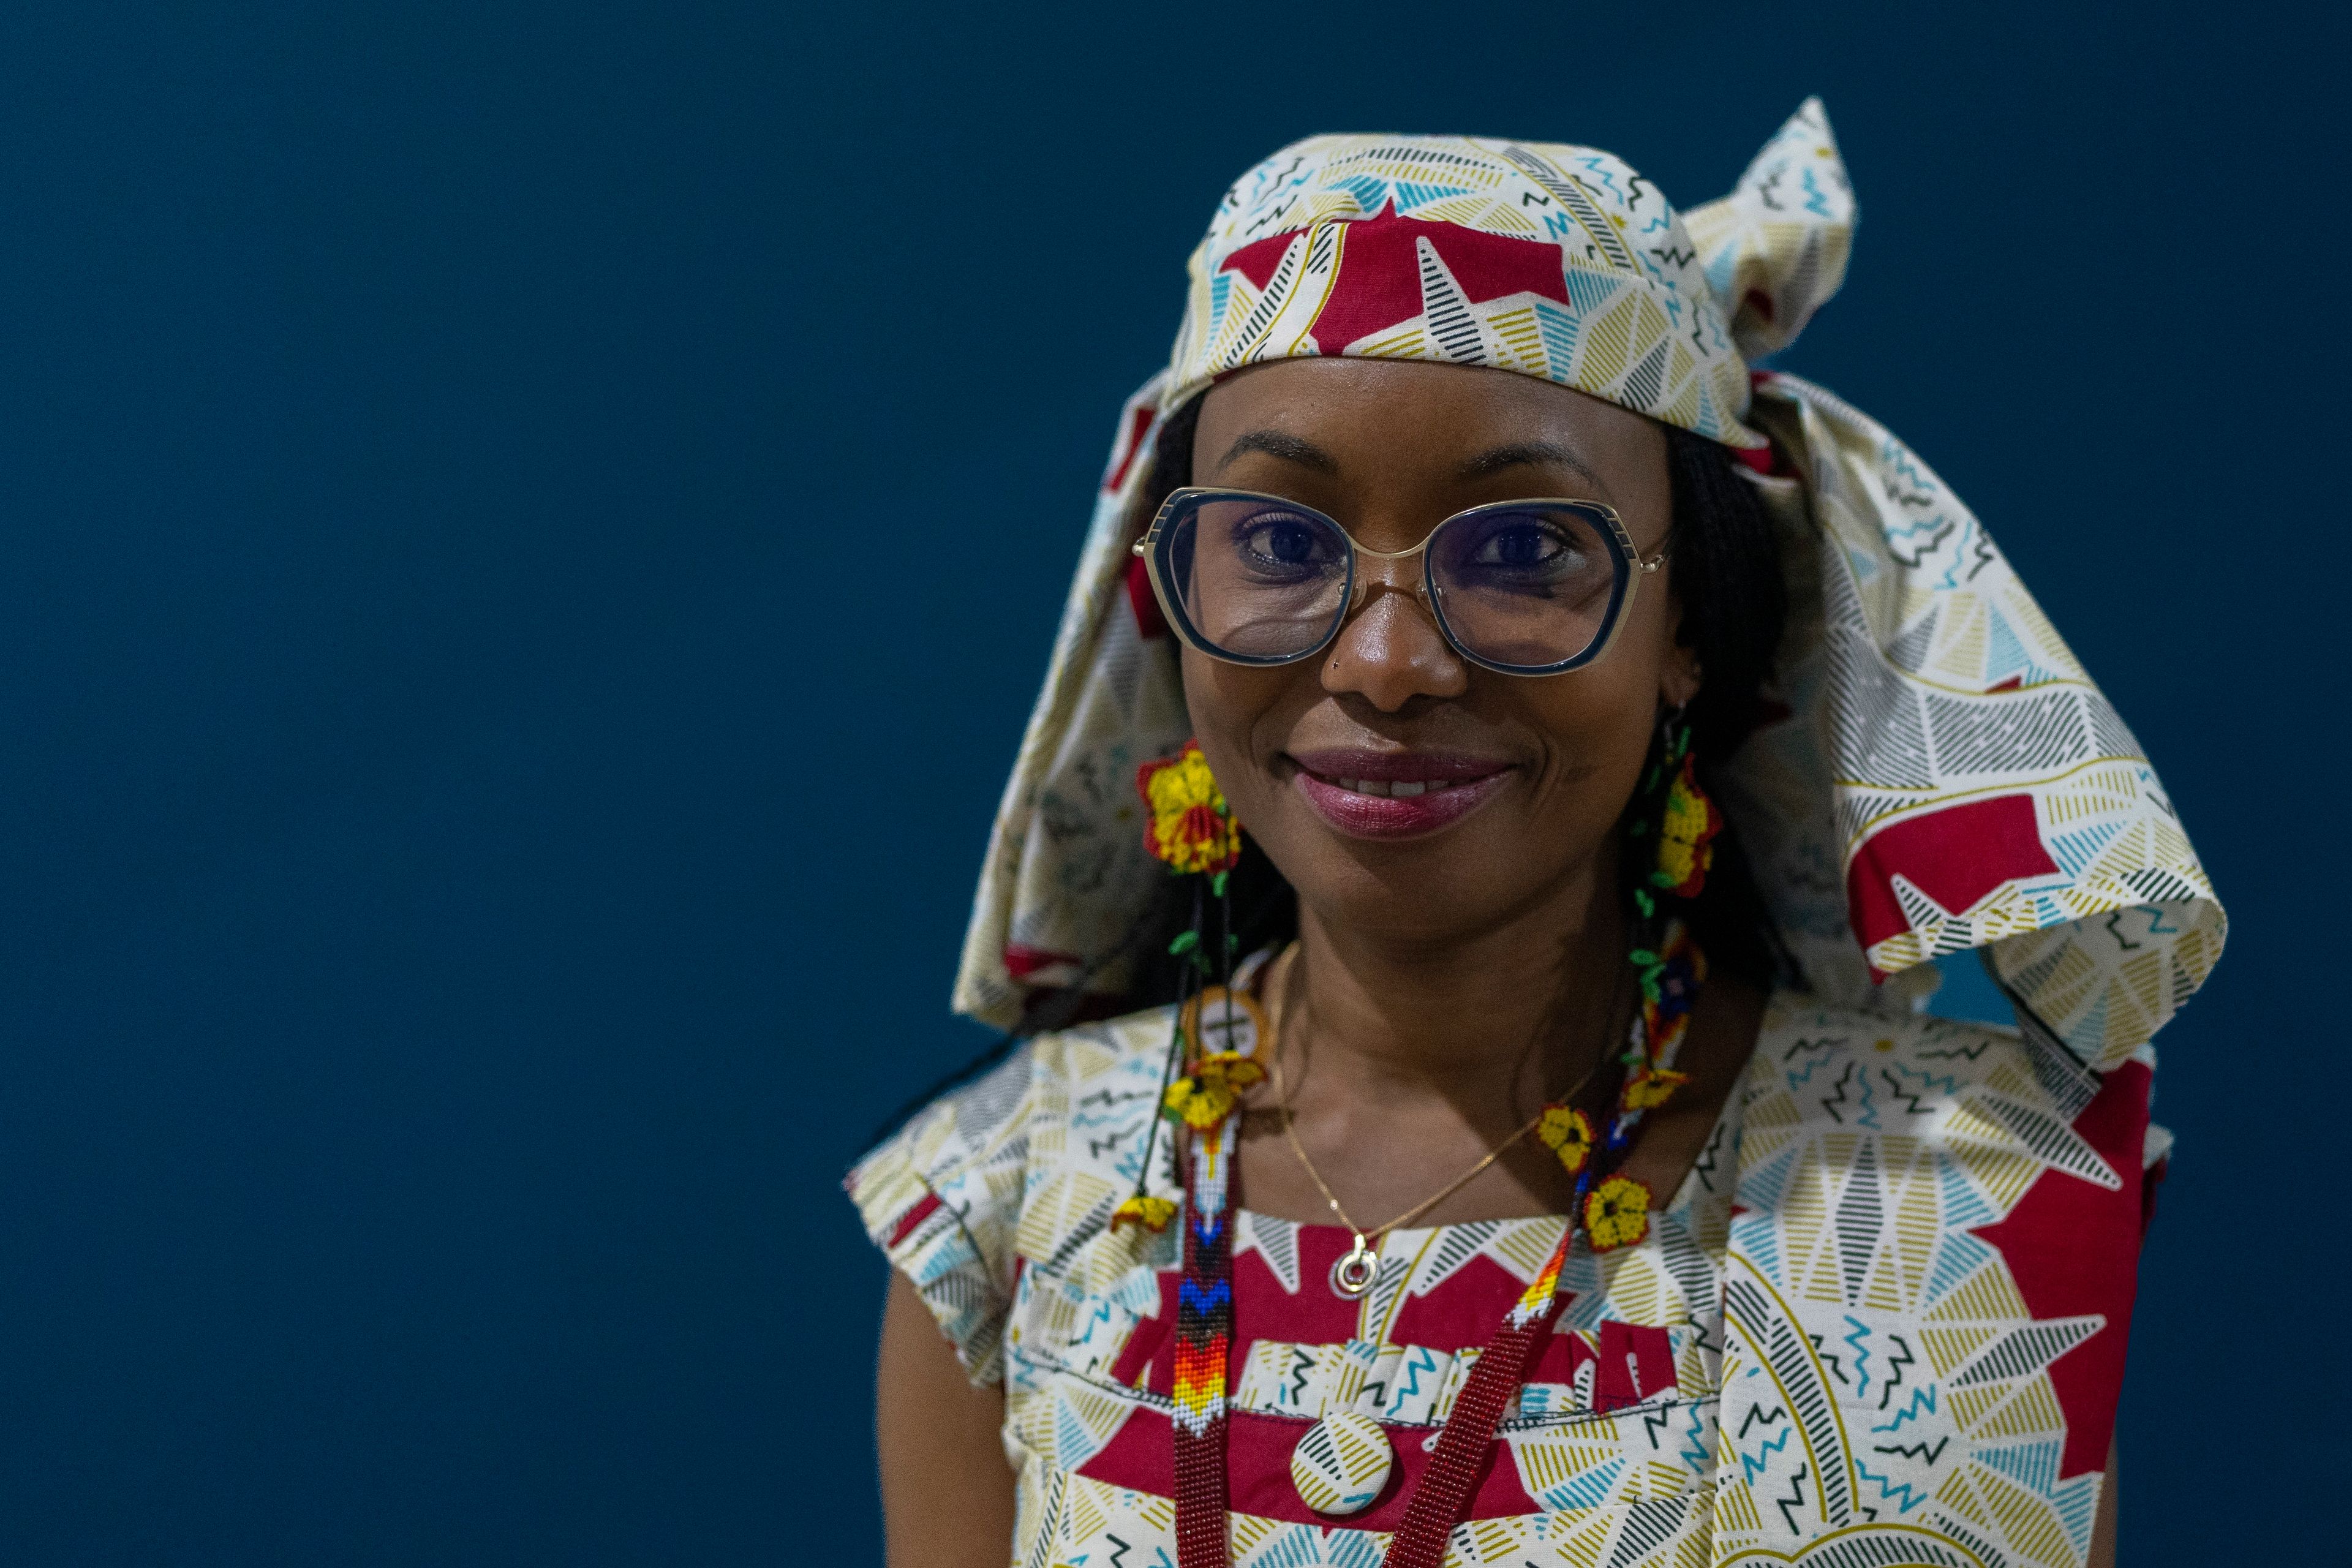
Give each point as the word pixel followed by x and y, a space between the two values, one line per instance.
pixel 1148 622
pixel 1459 1314
pixel 1379 283
pixel 1148 1360
pixel 1955 856
pixel 1561 1358
pixel 1635 1362
pixel 1139 425
pixel 1024 962
pixel 1263 1310
pixel 2074 1249
pixel 913 1218
pixel 1257 1468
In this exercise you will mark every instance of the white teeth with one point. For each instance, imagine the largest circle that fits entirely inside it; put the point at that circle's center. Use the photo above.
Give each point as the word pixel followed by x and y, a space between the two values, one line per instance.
pixel 1402 789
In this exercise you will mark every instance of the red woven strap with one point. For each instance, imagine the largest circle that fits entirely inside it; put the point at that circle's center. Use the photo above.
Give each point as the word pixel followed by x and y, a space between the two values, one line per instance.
pixel 1201 1497
pixel 1465 1446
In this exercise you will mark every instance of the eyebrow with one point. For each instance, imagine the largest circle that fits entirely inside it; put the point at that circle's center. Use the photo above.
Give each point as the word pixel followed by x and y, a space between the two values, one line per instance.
pixel 1280 444
pixel 1494 459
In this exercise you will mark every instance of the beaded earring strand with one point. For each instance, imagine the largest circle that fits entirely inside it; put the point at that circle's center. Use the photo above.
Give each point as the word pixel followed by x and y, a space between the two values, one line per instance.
pixel 1191 828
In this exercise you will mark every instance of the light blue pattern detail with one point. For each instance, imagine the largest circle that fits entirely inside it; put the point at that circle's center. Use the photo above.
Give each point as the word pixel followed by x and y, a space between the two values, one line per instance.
pixel 1751 1466
pixel 1757 1238
pixel 1305 1546
pixel 2075 1503
pixel 1817 199
pixel 1421 1363
pixel 1963 1204
pixel 1960 1256
pixel 1410 194
pixel 2033 1466
pixel 1586 1489
pixel 1077 1445
pixel 2073 851
pixel 1695 1449
pixel 1557 330
pixel 1903 1498
pixel 1797 1080
pixel 2088 1038
pixel 2004 655
pixel 1929 1083
pixel 1859 1340
pixel 1587 291
pixel 1921 1400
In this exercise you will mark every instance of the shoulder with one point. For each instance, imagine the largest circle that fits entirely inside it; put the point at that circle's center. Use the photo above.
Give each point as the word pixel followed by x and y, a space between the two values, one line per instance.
pixel 1931 1272
pixel 1007 1168
pixel 1822 1069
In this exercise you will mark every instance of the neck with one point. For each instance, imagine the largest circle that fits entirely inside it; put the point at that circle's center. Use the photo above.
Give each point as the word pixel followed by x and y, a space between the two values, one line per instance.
pixel 1493 1021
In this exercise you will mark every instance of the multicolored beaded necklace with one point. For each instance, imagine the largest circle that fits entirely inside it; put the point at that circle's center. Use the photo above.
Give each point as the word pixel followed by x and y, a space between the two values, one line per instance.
pixel 1193 831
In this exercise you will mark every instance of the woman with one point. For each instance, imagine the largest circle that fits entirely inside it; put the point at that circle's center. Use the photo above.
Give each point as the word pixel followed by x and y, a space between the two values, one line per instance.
pixel 1536 1153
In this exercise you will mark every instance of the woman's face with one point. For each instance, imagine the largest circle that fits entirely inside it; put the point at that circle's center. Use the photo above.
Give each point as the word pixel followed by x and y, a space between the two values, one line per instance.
pixel 1523 778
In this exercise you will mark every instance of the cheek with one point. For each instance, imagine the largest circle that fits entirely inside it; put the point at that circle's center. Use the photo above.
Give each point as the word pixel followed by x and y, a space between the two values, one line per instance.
pixel 1231 706
pixel 1597 723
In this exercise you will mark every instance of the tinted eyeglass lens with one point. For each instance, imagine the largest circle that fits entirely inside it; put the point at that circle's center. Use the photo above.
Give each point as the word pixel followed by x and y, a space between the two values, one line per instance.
pixel 1257 578
pixel 1527 586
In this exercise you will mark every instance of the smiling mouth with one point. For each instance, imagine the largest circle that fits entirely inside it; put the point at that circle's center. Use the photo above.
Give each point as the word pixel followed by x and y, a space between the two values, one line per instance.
pixel 1400 804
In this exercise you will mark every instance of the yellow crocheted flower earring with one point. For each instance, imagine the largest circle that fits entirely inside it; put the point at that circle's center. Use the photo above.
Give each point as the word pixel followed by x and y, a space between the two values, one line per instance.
pixel 1192 828
pixel 1686 835
pixel 1688 819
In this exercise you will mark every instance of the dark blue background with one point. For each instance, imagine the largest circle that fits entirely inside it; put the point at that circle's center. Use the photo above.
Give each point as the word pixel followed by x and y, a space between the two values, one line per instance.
pixel 530 536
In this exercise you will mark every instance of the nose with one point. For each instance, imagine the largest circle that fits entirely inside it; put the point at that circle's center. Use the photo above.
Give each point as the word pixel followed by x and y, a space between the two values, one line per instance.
pixel 1391 651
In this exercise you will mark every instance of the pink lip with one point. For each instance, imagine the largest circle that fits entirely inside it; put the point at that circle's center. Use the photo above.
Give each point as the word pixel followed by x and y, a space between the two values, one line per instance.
pixel 1458 785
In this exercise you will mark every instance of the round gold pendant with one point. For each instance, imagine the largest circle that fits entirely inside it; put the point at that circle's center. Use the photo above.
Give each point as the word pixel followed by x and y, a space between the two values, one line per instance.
pixel 1355 1269
pixel 1342 1464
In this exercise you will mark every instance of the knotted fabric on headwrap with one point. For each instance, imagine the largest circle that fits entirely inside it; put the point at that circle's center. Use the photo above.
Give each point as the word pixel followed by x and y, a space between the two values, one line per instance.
pixel 1942 775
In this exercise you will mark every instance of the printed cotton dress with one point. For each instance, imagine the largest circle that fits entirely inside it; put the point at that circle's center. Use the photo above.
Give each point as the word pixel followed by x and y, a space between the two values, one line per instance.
pixel 1882 1321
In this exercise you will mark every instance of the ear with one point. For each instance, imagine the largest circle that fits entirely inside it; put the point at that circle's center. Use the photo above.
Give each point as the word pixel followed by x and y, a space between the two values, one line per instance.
pixel 1680 676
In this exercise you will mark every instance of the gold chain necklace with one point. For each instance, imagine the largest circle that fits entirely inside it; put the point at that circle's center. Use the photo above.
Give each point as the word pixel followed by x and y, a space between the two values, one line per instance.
pixel 1354 1273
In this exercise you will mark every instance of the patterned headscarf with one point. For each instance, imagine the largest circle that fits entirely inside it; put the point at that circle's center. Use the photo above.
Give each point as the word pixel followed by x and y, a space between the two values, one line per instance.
pixel 1941 775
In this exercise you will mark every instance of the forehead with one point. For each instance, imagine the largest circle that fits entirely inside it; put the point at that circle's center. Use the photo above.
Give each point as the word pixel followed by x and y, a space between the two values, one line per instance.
pixel 1392 414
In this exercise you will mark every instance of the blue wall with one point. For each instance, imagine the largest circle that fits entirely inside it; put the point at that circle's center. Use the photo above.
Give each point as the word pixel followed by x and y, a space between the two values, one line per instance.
pixel 528 535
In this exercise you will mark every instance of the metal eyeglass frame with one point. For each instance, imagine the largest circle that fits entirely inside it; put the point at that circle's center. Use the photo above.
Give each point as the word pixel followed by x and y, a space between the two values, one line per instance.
pixel 1630 567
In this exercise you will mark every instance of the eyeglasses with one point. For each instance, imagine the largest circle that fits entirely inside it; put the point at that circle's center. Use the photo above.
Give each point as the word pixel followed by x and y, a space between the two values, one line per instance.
pixel 1520 587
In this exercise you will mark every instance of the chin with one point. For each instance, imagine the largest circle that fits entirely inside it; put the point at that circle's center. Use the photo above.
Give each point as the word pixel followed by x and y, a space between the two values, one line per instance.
pixel 1426 890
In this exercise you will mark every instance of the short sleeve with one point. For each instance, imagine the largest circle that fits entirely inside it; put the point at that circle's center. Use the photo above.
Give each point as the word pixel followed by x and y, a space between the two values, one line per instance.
pixel 941 1198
